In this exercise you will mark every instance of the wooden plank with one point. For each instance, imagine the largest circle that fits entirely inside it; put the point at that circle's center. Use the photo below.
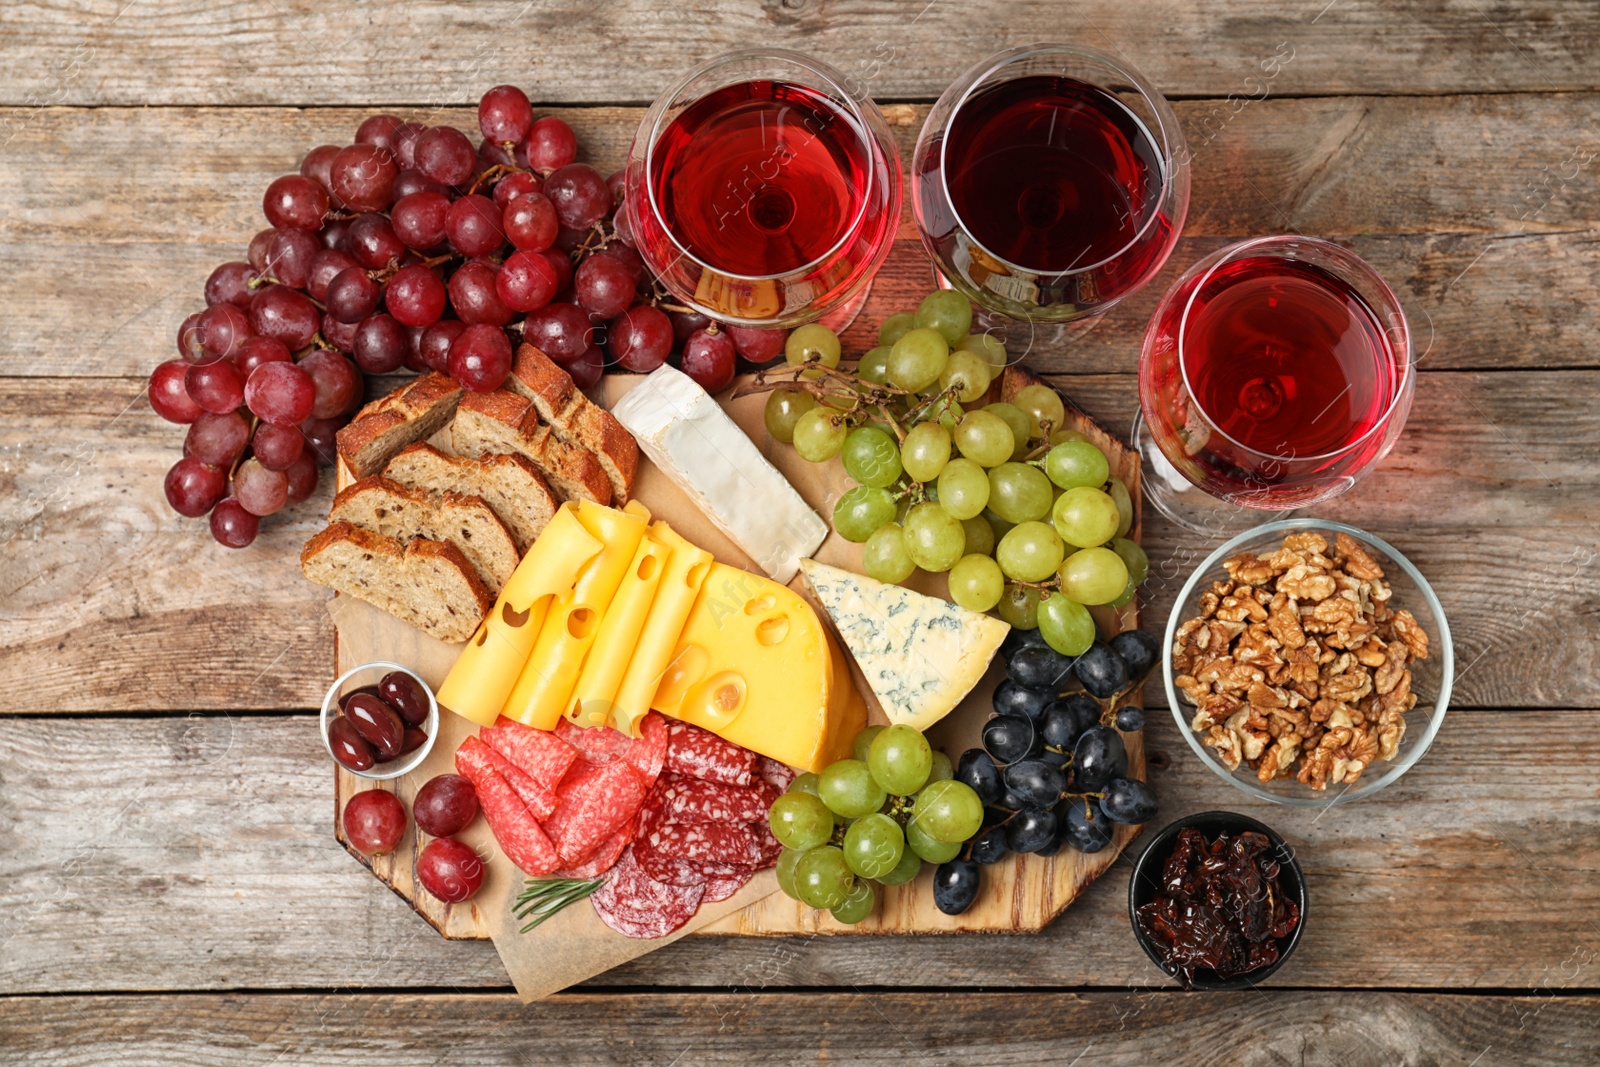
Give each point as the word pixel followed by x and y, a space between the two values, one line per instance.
pixel 171 52
pixel 109 601
pixel 1121 1029
pixel 197 852
pixel 1474 207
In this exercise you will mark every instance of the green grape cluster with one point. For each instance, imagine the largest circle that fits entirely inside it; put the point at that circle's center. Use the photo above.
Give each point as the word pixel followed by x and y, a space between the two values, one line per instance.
pixel 1024 515
pixel 870 821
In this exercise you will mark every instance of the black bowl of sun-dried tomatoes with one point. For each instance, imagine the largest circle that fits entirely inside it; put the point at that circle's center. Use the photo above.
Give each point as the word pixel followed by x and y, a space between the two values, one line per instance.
pixel 1218 901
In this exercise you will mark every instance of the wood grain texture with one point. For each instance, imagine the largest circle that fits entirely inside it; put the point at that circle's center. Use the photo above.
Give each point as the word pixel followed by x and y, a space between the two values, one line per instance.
pixel 195 853
pixel 299 52
pixel 1479 210
pixel 109 601
pixel 1117 1029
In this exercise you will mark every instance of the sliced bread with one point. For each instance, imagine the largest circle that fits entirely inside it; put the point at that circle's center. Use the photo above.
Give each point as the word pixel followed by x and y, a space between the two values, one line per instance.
pixel 502 421
pixel 511 485
pixel 414 412
pixel 375 503
pixel 428 584
pixel 575 419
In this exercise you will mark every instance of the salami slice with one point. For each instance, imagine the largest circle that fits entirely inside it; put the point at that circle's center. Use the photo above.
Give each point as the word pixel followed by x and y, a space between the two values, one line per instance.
pixel 599 744
pixel 539 752
pixel 698 800
pixel 702 754
pixel 636 905
pixel 604 858
pixel 733 844
pixel 777 775
pixel 592 803
pixel 648 751
pixel 514 826
pixel 475 757
pixel 723 888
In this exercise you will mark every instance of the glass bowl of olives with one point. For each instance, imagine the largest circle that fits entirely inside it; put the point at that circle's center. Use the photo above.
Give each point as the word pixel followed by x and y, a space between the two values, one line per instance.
pixel 379 720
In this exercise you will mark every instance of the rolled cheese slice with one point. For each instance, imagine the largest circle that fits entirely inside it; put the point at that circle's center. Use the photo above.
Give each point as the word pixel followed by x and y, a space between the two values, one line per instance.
pixel 614 644
pixel 487 668
pixel 685 572
pixel 546 683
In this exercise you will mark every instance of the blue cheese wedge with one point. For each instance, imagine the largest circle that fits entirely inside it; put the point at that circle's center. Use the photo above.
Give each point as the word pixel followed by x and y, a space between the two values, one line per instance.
pixel 921 655
pixel 694 442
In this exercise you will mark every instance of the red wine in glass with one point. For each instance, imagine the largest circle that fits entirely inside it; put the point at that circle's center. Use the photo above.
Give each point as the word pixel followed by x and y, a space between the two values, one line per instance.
pixel 1046 196
pixel 1274 381
pixel 765 200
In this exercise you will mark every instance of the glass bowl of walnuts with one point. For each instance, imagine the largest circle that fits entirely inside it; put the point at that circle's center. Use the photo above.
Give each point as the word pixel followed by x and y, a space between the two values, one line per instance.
pixel 1308 663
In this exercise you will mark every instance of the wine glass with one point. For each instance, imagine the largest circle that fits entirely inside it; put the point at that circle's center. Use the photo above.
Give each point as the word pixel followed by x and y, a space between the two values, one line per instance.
pixel 1274 374
pixel 1050 182
pixel 764 192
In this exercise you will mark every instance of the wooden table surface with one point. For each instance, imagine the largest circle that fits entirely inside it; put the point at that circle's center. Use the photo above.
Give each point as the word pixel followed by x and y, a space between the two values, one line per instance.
pixel 170 890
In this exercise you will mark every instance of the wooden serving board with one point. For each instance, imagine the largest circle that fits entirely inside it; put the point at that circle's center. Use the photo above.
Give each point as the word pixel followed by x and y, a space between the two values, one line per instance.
pixel 1020 894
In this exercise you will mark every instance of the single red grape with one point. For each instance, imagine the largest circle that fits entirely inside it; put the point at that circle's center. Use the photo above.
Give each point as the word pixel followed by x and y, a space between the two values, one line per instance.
pixel 560 331
pixel 318 165
pixel 551 144
pixel 412 181
pixel 325 265
pixel 374 822
pixel 474 297
pixel 229 284
pixel 505 115
pixel 381 344
pixel 604 286
pixel 626 255
pixel 403 143
pixel 302 476
pixel 415 296
pixel 321 438
pixel 377 130
pixel 373 242
pixel 530 222
pixel 622 225
pixel 223 330
pixel 568 240
pixel 445 805
pixel 512 186
pixel 586 370
pixel 216 440
pixel 480 358
pixel 434 350
pixel 217 386
pixel 295 200
pixel 474 225
pixel 335 381
pixel 335 233
pixel 445 155
pixel 419 219
pixel 280 392
pixel 193 488
pixel 617 182
pixel 189 339
pixel 362 175
pixel 579 194
pixel 563 267
pixel 758 346
pixel 285 313
pixel 341 335
pixel 450 870
pixel 709 358
pixel 685 324
pixel 259 350
pixel 259 490
pixel 169 393
pixel 257 252
pixel 352 295
pixel 232 525
pixel 640 339
pixel 277 446
pixel 525 281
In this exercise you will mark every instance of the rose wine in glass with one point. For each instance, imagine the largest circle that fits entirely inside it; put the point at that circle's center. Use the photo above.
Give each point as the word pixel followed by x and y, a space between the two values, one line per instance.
pixel 1050 183
pixel 760 191
pixel 1274 374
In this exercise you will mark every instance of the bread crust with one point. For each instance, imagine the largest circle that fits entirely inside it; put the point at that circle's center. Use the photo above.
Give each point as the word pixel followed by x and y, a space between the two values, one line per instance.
pixel 502 421
pixel 413 412
pixel 403 561
pixel 576 419
pixel 493 553
pixel 511 485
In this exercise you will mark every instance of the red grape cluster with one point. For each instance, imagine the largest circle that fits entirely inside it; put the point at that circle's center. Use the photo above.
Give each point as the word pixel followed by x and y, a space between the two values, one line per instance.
pixel 411 249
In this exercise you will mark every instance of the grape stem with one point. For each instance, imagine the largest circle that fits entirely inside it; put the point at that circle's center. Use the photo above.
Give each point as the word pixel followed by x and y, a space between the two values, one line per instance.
pixel 496 172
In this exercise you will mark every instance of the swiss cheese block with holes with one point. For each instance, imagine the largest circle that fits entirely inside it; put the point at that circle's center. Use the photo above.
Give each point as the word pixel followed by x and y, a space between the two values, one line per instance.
pixel 488 667
pixel 756 666
pixel 545 686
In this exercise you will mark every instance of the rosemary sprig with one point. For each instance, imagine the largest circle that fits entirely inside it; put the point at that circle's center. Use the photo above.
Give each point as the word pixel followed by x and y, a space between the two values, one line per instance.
pixel 543 897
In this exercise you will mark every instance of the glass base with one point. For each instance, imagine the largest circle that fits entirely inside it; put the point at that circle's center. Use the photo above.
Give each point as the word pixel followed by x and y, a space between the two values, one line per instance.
pixel 839 318
pixel 1185 503
pixel 1022 337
